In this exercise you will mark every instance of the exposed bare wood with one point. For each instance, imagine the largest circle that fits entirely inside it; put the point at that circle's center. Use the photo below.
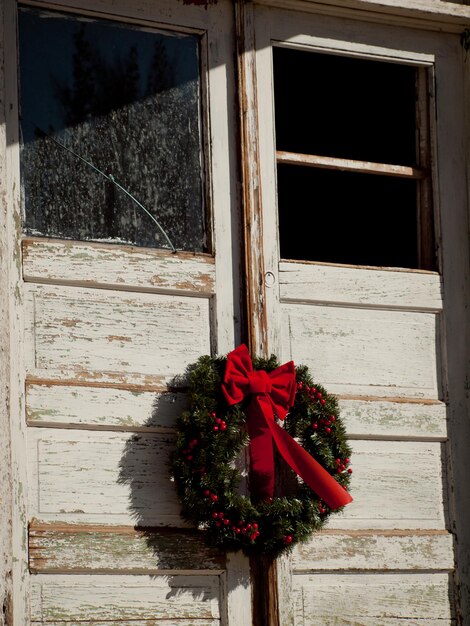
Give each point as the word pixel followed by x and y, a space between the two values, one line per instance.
pixel 117 267
pixel 156 384
pixel 252 202
pixel 263 571
pixel 348 165
pixel 6 280
pixel 98 548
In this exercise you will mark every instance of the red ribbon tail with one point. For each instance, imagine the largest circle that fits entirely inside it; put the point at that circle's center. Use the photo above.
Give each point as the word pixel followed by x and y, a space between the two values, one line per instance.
pixel 261 454
pixel 312 473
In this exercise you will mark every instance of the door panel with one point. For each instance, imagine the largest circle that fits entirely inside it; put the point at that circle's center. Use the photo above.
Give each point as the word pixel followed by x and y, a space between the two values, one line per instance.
pixel 109 331
pixel 373 337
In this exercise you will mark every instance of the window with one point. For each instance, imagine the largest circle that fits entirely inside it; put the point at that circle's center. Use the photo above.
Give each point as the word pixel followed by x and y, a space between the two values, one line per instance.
pixel 352 148
pixel 111 132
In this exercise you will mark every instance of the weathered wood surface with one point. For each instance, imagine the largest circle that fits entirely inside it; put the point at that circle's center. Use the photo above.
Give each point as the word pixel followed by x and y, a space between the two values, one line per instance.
pixel 96 407
pixel 365 352
pixel 92 334
pixel 321 282
pixel 97 549
pixel 76 406
pixel 117 267
pixel 106 598
pixel 435 15
pixel 394 419
pixel 395 485
pixel 94 476
pixel 371 600
pixel 373 550
pixel 348 165
pixel 63 548
pixel 88 476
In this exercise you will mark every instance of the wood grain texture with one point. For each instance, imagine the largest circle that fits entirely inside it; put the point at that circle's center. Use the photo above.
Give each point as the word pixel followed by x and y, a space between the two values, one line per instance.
pixel 96 549
pixel 369 600
pixel 113 598
pixel 101 408
pixel 317 282
pixel 116 267
pixel 102 335
pixel 394 420
pixel 394 485
pixel 348 165
pixel 372 550
pixel 101 477
pixel 366 352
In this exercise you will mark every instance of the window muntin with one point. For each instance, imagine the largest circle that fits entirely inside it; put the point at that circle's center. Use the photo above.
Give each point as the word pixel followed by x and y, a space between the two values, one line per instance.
pixel 127 100
pixel 352 147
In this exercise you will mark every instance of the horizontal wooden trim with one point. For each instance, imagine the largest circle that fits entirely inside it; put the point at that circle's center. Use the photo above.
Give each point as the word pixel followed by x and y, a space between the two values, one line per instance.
pixel 348 165
pixel 374 268
pixel 99 548
pixel 376 550
pixel 359 287
pixel 158 387
pixel 400 420
pixel 436 15
pixel 106 266
pixel 399 400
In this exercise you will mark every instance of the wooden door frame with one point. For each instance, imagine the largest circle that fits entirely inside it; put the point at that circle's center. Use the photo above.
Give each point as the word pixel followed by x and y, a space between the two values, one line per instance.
pixel 455 253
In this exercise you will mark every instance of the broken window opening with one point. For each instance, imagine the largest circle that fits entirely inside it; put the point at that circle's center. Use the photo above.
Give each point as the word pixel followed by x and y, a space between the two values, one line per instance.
pixel 352 148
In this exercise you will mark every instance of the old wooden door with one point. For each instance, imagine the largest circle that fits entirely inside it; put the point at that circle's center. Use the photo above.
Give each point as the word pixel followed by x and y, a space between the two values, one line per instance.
pixel 107 316
pixel 359 270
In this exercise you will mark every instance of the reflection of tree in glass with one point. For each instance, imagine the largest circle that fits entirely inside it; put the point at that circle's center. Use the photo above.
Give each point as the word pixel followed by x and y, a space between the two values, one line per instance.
pixel 144 130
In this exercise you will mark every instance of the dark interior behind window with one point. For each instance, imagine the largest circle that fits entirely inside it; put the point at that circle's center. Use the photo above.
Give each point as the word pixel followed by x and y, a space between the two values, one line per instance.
pixel 349 109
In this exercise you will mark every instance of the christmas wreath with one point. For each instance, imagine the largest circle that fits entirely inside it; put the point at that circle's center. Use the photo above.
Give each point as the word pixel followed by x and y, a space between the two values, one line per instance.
pixel 233 403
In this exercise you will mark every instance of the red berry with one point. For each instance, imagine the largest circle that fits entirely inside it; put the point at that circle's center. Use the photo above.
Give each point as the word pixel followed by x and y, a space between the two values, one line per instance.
pixel 339 470
pixel 346 461
pixel 221 515
pixel 322 402
pixel 253 536
pixel 218 524
pixel 300 385
pixel 332 418
pixel 249 526
pixel 218 420
pixel 223 426
pixel 328 430
pixel 214 497
pixel 189 457
pixel 313 390
pixel 226 522
pixel 207 493
pixel 319 395
pixel 288 539
pixel 243 530
pixel 237 530
pixel 215 515
pixel 338 461
pixel 315 426
pixel 255 525
pixel 215 428
pixel 350 471
pixel 213 414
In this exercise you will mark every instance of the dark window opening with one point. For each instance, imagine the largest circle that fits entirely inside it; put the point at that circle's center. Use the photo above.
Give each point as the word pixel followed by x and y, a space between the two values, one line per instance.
pixel 352 172
pixel 127 101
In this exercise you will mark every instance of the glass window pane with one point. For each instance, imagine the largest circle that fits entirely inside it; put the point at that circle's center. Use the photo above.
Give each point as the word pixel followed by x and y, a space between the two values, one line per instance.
pixel 127 101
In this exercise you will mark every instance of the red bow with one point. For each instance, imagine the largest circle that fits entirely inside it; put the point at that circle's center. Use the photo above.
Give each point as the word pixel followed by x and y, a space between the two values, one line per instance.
pixel 272 394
